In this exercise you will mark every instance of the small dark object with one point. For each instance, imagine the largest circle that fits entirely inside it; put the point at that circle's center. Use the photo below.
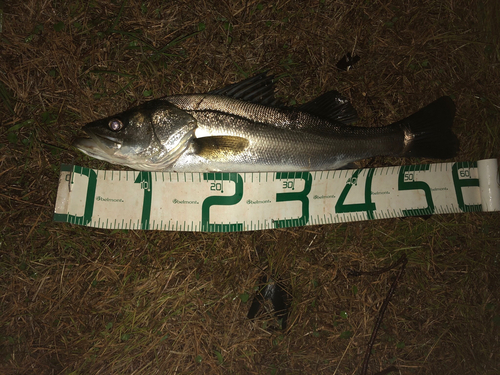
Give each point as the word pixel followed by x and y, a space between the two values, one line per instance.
pixel 273 291
pixel 347 62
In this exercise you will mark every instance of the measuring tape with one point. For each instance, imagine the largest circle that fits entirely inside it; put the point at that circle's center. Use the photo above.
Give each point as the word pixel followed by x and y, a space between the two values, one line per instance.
pixel 230 202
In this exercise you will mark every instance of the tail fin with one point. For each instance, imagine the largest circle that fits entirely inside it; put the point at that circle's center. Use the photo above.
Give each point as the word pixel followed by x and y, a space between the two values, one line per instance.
pixel 428 132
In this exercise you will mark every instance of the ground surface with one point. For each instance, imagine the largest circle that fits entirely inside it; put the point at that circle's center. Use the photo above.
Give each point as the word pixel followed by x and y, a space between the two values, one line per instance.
pixel 87 301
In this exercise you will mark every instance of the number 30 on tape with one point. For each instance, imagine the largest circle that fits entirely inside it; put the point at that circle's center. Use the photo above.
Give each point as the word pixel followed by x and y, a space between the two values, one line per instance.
pixel 227 202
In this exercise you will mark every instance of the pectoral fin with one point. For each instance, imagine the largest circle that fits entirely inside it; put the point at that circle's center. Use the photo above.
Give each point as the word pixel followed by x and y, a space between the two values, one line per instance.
pixel 220 147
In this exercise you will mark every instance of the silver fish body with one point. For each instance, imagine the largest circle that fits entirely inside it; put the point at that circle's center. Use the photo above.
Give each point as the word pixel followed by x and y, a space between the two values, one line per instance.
pixel 276 141
pixel 223 132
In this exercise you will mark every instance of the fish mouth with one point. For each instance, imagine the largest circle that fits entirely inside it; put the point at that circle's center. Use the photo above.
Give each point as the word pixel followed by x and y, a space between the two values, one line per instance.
pixel 98 146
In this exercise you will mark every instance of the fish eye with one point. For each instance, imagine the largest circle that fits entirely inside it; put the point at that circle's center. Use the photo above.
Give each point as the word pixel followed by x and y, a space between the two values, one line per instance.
pixel 115 124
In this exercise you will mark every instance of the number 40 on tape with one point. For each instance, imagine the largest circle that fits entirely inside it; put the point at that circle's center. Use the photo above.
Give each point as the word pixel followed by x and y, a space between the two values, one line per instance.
pixel 225 202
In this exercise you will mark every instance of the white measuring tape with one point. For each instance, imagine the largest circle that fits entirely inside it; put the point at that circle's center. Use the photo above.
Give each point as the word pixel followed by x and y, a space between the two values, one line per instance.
pixel 229 202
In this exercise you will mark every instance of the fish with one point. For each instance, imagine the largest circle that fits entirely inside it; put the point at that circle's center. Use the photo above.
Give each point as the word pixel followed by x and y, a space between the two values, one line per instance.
pixel 244 127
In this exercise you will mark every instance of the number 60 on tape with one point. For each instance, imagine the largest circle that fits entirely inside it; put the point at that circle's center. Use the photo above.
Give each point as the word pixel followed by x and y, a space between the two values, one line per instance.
pixel 226 202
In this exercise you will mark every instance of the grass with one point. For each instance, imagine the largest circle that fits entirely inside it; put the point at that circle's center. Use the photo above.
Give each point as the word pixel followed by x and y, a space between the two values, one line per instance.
pixel 79 300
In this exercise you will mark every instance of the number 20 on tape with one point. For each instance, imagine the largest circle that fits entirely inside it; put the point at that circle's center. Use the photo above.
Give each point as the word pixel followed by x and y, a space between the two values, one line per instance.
pixel 224 202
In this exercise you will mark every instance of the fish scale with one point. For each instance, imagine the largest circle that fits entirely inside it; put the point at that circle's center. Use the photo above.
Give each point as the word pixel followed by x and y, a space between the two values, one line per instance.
pixel 270 149
pixel 220 132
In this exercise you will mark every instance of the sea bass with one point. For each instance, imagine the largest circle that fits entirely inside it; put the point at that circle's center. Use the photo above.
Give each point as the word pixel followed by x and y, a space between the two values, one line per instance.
pixel 244 128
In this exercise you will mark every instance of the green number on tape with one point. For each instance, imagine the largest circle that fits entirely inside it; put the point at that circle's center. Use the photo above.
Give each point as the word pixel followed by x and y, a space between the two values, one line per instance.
pixel 144 178
pixel 406 181
pixel 368 206
pixel 219 179
pixel 295 196
pixel 461 178
pixel 89 200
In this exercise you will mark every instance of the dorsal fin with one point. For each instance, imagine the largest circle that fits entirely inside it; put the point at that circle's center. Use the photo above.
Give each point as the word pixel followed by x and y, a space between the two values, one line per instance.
pixel 333 106
pixel 258 89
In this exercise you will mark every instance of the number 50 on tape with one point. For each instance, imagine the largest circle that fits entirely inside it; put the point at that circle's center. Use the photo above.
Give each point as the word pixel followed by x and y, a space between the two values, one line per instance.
pixel 226 202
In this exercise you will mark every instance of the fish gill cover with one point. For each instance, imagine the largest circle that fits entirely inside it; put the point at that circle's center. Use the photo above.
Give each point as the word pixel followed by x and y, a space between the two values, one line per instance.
pixel 80 300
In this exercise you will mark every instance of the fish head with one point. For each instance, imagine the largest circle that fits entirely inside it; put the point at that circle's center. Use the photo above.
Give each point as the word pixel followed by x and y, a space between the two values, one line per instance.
pixel 150 136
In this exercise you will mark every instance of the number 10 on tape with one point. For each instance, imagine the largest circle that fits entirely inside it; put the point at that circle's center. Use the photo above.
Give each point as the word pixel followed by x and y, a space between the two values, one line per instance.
pixel 227 202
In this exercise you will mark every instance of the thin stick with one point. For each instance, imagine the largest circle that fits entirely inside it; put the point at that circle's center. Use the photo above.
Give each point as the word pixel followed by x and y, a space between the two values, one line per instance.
pixel 381 270
pixel 381 313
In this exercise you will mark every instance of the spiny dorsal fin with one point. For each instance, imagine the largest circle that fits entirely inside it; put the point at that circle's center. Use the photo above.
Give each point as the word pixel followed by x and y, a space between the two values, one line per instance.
pixel 258 89
pixel 220 147
pixel 333 106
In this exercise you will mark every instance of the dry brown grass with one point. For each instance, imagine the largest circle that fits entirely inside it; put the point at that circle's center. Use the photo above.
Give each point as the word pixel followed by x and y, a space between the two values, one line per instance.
pixel 88 301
